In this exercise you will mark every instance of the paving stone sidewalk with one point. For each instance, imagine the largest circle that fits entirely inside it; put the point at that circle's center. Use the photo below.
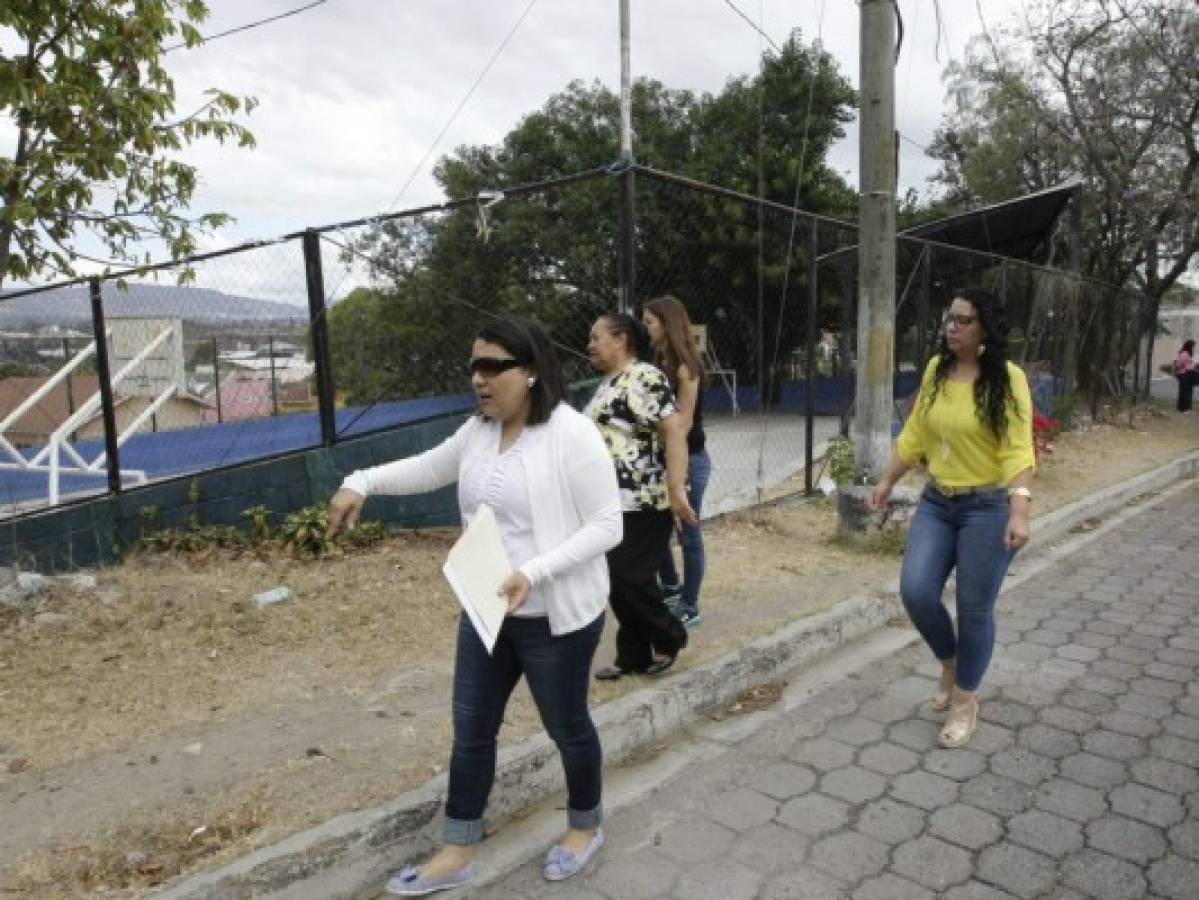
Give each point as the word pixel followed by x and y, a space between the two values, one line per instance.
pixel 1082 779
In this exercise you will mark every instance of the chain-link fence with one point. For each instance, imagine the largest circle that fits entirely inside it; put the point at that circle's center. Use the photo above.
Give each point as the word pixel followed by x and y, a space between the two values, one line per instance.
pixel 363 327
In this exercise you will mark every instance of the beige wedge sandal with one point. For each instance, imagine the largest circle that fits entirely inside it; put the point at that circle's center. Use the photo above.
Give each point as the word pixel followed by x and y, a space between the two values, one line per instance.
pixel 962 720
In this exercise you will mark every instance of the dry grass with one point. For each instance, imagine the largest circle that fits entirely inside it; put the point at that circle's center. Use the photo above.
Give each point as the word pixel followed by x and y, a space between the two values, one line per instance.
pixel 186 647
pixel 1088 461
pixel 106 864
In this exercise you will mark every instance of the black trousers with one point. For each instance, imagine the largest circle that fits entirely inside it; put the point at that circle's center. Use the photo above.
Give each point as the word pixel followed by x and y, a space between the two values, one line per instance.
pixel 645 625
pixel 1186 388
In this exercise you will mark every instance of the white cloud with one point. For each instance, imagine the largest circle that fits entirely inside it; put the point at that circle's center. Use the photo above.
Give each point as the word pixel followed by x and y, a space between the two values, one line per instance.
pixel 352 92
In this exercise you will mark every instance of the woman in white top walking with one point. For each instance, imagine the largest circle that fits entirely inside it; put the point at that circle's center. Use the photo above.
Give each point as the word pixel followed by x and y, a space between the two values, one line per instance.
pixel 544 470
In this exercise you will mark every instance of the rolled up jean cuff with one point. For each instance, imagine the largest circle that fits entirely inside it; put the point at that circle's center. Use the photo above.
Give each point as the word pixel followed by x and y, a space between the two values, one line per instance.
pixel 462 831
pixel 585 819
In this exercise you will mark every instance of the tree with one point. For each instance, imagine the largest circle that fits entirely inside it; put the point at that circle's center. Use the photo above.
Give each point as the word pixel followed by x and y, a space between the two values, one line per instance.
pixel 96 132
pixel 554 254
pixel 1103 90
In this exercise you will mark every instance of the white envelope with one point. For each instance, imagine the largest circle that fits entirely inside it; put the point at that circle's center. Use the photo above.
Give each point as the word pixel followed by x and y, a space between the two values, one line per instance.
pixel 475 568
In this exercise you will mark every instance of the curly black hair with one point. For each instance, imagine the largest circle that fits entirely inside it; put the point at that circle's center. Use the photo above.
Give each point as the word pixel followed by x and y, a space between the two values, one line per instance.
pixel 993 389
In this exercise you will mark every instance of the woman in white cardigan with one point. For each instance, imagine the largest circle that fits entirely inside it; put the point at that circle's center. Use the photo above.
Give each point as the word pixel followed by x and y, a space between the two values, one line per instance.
pixel 543 469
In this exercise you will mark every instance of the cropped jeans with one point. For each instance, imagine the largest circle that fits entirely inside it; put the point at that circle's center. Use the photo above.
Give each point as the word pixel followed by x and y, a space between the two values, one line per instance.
pixel 558 671
pixel 964 532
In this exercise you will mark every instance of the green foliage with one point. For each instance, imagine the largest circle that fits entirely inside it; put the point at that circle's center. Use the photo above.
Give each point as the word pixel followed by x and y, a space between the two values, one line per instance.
pixel 303 532
pixel 97 141
pixel 21 370
pixel 193 497
pixel 1064 408
pixel 306 531
pixel 554 256
pixel 890 542
pixel 147 520
pixel 1102 91
pixel 260 523
pixel 367 534
pixel 193 540
pixel 840 461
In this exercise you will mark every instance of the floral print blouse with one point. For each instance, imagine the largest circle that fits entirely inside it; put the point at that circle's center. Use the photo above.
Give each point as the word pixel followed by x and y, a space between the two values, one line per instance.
pixel 627 408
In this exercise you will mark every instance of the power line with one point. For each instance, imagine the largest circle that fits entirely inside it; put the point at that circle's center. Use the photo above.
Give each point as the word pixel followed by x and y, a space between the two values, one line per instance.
pixel 466 99
pixel 754 25
pixel 446 127
pixel 240 28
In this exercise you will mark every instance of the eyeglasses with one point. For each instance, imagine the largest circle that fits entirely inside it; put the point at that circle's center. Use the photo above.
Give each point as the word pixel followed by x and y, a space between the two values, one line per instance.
pixel 490 366
pixel 961 320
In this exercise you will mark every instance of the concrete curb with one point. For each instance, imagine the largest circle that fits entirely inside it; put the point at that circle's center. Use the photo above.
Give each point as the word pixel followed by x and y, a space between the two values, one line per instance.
pixel 1053 525
pixel 351 853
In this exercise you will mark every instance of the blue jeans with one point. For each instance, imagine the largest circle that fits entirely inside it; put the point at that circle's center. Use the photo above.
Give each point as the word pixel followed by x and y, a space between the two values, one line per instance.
pixel 691 537
pixel 558 671
pixel 966 532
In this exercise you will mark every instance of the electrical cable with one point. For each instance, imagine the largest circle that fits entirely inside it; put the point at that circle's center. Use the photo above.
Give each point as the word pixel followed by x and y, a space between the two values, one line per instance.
pixel 249 25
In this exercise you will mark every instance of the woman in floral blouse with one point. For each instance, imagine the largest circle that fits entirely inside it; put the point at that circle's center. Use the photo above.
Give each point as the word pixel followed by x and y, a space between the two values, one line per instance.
pixel 634 409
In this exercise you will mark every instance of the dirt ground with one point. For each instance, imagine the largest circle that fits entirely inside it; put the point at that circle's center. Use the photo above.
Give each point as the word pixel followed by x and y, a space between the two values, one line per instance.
pixel 178 727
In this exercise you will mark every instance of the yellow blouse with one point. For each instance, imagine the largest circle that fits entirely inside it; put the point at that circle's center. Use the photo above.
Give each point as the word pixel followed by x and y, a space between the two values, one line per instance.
pixel 959 450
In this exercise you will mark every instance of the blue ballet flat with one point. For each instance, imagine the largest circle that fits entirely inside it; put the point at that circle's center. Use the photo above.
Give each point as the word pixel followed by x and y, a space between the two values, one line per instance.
pixel 561 864
pixel 408 881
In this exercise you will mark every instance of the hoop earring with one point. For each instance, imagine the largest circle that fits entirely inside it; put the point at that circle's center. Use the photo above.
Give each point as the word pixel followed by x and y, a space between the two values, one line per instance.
pixel 530 381
pixel 982 348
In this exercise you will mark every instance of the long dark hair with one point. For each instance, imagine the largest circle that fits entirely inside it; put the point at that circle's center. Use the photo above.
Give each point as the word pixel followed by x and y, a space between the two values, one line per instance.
pixel 635 336
pixel 993 389
pixel 531 347
pixel 1188 346
pixel 680 345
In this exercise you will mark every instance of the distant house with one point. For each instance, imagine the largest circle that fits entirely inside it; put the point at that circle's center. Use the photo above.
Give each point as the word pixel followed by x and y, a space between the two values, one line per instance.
pixel 285 368
pixel 35 427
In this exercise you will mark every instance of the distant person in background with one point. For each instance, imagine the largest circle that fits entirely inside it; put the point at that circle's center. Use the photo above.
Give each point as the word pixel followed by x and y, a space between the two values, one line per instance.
pixel 972 424
pixel 669 328
pixel 543 470
pixel 634 409
pixel 1184 371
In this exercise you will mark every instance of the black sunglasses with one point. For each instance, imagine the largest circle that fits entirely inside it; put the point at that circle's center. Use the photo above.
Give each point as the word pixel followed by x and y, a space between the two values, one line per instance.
pixel 490 366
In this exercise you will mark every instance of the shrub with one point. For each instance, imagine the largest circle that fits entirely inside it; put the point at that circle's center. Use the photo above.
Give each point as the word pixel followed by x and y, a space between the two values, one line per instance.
pixel 307 530
pixel 839 459
pixel 260 523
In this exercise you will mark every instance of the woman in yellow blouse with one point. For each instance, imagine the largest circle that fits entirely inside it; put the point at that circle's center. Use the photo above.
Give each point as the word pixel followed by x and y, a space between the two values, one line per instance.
pixel 971 424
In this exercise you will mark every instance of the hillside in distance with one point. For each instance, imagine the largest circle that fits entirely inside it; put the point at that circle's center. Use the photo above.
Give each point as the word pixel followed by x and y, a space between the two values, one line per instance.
pixel 71 306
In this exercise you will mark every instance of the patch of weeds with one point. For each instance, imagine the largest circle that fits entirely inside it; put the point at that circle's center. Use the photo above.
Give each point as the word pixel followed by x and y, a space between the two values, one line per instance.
pixel 889 543
pixel 259 518
pixel 839 459
pixel 141 856
pixel 306 531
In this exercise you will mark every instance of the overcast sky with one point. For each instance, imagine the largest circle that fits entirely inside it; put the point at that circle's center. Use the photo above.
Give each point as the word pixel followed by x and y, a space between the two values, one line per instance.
pixel 353 92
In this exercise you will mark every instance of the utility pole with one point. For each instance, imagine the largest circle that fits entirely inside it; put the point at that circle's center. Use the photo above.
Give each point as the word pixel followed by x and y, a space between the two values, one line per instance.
pixel 876 240
pixel 628 271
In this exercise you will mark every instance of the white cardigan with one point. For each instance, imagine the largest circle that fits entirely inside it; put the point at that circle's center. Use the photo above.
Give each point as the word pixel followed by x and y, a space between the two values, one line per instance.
pixel 572 494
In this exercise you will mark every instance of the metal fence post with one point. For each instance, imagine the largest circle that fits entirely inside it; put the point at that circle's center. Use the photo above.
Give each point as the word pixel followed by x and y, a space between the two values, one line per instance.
pixel 112 458
pixel 216 379
pixel 809 437
pixel 320 336
pixel 924 329
pixel 847 334
pixel 274 387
